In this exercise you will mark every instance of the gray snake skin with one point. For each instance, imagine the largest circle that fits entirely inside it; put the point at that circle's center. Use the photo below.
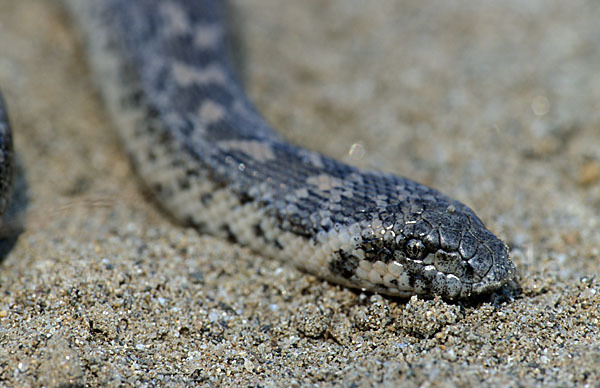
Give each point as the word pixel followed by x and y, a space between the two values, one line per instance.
pixel 214 163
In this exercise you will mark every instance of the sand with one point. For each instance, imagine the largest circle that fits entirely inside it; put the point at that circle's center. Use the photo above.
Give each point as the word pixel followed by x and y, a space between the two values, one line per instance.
pixel 494 103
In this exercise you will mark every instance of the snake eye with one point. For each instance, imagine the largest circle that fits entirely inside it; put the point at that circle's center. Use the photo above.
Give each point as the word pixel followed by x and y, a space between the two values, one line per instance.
pixel 415 249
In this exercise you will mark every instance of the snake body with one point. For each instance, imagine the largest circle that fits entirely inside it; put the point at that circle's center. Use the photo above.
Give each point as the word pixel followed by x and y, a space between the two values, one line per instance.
pixel 213 162
pixel 6 159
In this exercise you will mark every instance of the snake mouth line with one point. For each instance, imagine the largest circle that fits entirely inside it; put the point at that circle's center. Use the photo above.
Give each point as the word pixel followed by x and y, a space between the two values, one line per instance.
pixel 416 277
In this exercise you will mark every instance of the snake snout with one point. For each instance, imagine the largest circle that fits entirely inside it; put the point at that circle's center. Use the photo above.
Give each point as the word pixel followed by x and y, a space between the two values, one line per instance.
pixel 491 266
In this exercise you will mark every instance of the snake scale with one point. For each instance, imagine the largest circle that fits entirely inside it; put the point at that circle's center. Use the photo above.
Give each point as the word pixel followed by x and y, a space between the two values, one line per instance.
pixel 213 162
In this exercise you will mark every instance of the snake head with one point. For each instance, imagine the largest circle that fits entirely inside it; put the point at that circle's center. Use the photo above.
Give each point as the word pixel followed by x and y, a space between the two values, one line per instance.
pixel 439 248
pixel 449 252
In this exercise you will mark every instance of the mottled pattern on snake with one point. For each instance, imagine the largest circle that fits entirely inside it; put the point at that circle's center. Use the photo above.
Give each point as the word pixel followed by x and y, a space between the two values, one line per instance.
pixel 215 163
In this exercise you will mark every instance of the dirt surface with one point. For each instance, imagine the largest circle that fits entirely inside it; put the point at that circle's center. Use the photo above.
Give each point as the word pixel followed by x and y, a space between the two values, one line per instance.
pixel 494 103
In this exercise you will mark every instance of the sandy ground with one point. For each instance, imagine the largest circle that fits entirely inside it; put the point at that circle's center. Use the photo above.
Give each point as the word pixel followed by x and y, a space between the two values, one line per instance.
pixel 494 103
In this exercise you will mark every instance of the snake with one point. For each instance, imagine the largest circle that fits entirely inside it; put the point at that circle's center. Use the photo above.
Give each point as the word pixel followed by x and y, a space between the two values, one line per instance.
pixel 165 71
